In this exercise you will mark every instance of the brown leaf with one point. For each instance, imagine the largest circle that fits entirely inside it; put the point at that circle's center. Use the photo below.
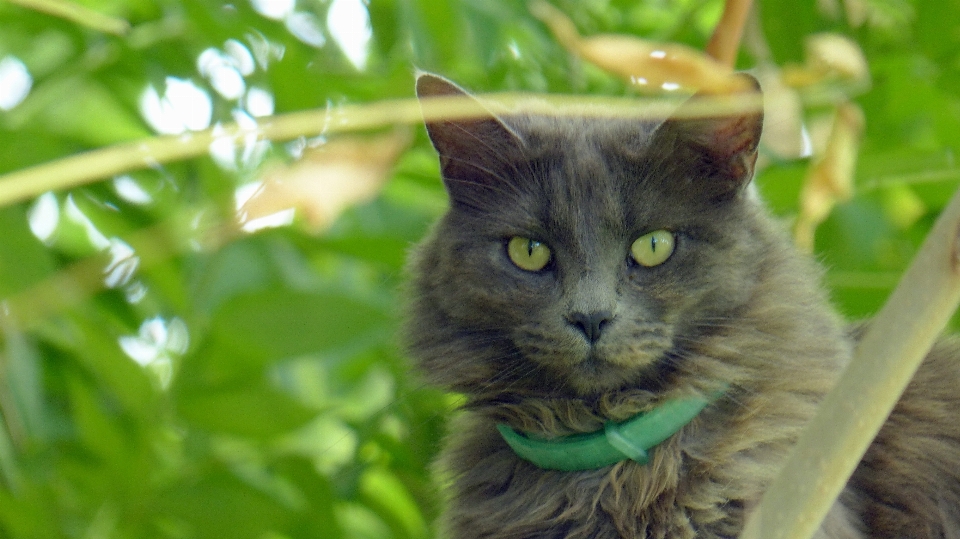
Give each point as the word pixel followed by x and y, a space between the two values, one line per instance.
pixel 647 64
pixel 782 116
pixel 830 178
pixel 328 179
pixel 828 56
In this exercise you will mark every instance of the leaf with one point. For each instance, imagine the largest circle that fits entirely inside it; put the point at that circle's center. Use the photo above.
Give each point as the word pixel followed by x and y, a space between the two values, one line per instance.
pixel 830 179
pixel 284 323
pixel 220 505
pixel 328 179
pixel 382 491
pixel 23 259
pixel 646 64
pixel 829 56
pixel 78 14
pixel 97 428
pixel 86 339
pixel 318 520
pixel 83 109
pixel 255 410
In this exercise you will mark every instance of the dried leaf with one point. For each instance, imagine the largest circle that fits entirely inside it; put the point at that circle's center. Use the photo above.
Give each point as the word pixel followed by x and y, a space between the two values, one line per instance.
pixel 828 56
pixel 648 64
pixel 328 179
pixel 830 178
pixel 783 115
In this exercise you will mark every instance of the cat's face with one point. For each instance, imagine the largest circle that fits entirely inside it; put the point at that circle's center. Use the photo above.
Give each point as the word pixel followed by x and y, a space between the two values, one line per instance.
pixel 581 254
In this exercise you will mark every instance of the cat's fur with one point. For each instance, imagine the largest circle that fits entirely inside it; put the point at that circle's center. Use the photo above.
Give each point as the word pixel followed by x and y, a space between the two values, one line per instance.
pixel 735 304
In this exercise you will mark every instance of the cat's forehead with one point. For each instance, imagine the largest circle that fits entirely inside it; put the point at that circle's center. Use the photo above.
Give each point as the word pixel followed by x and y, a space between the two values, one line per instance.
pixel 561 133
pixel 592 173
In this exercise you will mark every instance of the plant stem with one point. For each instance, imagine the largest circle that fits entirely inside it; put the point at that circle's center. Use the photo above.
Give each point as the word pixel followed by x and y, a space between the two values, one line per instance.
pixel 80 169
pixel 894 345
pixel 725 40
pixel 78 14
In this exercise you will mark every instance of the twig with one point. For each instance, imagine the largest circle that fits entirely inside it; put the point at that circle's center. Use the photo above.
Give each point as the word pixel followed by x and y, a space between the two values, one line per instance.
pixel 726 36
pixel 77 170
pixel 78 14
pixel 851 415
pixel 910 178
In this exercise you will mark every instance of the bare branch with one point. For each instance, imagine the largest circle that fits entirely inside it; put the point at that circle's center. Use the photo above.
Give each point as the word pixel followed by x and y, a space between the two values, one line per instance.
pixel 725 40
pixel 78 14
pixel 851 415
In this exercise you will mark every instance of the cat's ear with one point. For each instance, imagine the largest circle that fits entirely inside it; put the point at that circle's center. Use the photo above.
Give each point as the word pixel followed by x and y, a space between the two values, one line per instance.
pixel 475 146
pixel 722 148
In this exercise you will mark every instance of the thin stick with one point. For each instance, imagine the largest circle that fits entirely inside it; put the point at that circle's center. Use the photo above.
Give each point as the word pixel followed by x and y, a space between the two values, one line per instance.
pixel 725 40
pixel 84 168
pixel 851 415
pixel 87 167
pixel 78 14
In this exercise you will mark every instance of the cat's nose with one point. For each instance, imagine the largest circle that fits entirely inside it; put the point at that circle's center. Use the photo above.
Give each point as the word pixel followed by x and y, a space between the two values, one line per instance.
pixel 591 324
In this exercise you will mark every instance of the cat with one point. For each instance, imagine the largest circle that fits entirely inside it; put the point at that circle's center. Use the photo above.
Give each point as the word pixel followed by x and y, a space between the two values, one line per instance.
pixel 592 269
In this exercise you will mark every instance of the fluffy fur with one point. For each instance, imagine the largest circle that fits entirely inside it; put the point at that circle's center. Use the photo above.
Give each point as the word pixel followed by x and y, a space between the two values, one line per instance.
pixel 734 305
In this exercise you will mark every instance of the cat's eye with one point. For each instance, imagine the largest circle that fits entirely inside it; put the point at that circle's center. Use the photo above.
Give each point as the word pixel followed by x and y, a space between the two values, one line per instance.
pixel 528 254
pixel 653 249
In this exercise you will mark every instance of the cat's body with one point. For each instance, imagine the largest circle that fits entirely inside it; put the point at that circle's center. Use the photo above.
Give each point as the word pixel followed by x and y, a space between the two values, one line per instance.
pixel 593 335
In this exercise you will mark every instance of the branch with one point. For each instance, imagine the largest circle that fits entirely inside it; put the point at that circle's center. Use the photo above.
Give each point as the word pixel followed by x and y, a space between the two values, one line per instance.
pixel 94 165
pixel 894 345
pixel 726 36
pixel 78 14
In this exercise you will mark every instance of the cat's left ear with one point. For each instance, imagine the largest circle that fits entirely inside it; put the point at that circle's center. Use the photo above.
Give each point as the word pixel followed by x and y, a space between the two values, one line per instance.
pixel 476 148
pixel 721 148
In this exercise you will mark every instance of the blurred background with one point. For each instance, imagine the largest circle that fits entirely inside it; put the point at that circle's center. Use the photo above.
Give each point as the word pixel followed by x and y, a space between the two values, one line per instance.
pixel 204 343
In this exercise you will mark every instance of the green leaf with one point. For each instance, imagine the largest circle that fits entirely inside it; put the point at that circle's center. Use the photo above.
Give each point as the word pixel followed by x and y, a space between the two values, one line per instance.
pixel 283 323
pixel 220 505
pixel 255 410
pixel 387 495
pixel 23 259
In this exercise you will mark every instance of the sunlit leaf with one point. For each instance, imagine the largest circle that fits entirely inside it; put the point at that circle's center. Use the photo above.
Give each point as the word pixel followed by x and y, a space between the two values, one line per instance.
pixel 646 64
pixel 221 505
pixel 830 178
pixel 328 179
pixel 23 259
pixel 828 57
pixel 285 323
pixel 253 410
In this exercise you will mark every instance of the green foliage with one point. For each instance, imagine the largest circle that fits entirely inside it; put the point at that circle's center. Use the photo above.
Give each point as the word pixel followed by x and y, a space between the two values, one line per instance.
pixel 163 375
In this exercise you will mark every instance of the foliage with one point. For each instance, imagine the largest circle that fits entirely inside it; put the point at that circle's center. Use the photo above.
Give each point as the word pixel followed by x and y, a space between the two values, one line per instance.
pixel 165 373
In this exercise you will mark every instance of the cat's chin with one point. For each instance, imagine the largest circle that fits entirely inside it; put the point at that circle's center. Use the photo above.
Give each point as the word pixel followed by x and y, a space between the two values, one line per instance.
pixel 596 375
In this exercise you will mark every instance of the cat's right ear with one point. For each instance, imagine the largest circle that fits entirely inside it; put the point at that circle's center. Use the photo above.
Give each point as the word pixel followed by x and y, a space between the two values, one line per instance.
pixel 720 147
pixel 474 145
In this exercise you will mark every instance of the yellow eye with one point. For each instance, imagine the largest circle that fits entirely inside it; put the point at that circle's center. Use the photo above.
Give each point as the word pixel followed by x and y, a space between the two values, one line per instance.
pixel 527 254
pixel 653 249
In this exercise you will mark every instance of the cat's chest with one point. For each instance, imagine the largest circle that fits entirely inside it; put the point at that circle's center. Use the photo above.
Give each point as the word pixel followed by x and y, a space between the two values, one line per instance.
pixel 499 495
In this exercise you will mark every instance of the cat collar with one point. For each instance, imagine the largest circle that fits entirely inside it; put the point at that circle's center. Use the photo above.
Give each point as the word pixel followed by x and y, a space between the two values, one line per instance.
pixel 630 439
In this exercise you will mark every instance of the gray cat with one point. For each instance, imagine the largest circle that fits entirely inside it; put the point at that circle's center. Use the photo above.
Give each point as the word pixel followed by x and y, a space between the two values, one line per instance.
pixel 638 342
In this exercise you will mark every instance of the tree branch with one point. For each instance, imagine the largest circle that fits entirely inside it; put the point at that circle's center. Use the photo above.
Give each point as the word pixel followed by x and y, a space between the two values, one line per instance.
pixel 78 14
pixel 94 165
pixel 894 345
pixel 725 40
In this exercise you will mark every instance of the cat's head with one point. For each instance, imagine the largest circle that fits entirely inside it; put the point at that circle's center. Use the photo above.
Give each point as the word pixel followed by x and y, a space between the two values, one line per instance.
pixel 583 254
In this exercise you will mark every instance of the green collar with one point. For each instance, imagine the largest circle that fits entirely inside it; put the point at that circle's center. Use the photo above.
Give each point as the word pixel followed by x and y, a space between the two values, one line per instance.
pixel 631 439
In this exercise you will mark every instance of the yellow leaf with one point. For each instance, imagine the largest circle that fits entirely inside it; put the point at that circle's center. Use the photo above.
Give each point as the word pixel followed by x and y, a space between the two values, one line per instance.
pixel 647 64
pixel 828 56
pixel 782 116
pixel 830 178
pixel 328 179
